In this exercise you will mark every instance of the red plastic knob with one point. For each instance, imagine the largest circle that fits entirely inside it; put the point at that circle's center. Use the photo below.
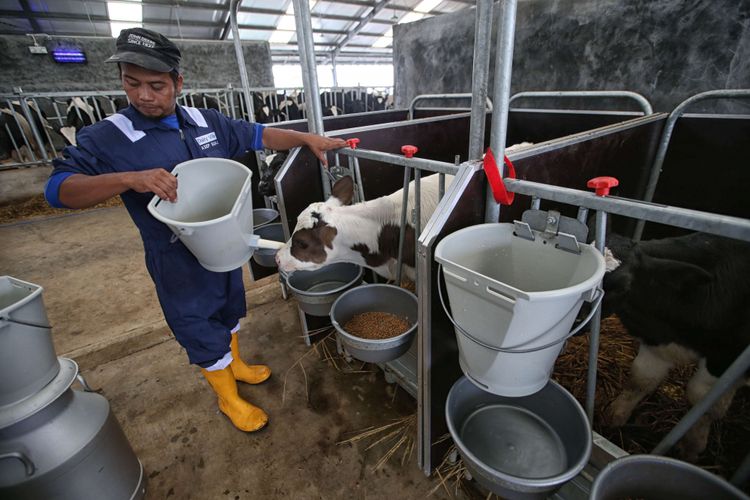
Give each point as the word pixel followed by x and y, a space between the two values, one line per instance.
pixel 602 185
pixel 352 142
pixel 409 150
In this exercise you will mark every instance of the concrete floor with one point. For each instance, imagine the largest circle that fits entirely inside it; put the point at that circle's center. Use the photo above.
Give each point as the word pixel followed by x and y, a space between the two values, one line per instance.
pixel 105 316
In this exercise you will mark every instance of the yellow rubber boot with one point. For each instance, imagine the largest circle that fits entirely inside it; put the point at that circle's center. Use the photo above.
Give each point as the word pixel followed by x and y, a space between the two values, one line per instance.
pixel 250 374
pixel 243 415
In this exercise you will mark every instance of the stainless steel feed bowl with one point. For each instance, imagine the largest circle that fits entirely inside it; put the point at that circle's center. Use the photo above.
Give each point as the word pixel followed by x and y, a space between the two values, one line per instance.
pixel 375 298
pixel 655 477
pixel 316 291
pixel 266 256
pixel 519 448
pixel 263 216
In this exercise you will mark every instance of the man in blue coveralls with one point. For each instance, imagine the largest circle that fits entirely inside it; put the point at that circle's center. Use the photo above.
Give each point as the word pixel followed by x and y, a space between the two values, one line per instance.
pixel 131 154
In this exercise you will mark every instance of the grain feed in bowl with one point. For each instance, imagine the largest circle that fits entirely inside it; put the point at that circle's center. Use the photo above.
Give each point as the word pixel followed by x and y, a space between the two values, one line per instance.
pixel 376 325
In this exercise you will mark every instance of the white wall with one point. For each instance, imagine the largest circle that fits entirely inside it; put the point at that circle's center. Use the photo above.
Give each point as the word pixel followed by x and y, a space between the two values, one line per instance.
pixel 349 75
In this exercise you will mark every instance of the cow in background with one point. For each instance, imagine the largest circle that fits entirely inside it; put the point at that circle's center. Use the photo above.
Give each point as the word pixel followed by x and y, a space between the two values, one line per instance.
pixel 201 100
pixel 686 299
pixel 268 170
pixel 16 135
pixel 289 105
pixel 12 135
pixel 80 113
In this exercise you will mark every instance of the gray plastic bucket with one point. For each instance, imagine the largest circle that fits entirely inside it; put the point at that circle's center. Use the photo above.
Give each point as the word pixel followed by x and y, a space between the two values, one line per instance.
pixel 651 477
pixel 519 448
pixel 376 298
pixel 509 293
pixel 263 216
pixel 264 256
pixel 27 355
pixel 213 214
pixel 316 291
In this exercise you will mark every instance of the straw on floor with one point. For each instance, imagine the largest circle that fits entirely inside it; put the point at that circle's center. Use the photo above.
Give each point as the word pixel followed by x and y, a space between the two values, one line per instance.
pixel 655 416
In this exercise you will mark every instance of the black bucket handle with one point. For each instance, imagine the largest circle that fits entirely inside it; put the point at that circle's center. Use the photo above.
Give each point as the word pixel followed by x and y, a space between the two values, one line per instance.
pixel 515 350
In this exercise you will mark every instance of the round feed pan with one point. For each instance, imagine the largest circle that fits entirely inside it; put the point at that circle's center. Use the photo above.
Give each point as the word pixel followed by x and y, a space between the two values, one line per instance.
pixel 519 448
pixel 263 216
pixel 316 291
pixel 267 256
pixel 652 477
pixel 375 298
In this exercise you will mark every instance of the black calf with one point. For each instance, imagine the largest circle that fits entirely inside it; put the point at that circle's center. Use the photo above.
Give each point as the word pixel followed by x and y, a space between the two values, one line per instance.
pixel 686 298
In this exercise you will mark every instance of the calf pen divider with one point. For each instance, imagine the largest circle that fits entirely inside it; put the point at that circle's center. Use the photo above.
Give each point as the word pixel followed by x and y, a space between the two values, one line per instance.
pixel 722 225
pixel 669 126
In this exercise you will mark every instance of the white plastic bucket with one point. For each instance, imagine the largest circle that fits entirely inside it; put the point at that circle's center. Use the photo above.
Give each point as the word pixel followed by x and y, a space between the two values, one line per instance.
pixel 213 214
pixel 509 293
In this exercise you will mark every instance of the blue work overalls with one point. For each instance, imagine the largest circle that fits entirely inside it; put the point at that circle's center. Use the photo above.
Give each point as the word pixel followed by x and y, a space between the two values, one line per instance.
pixel 200 306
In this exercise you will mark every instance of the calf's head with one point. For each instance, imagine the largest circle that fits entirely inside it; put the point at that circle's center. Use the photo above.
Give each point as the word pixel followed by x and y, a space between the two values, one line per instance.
pixel 313 243
pixel 649 281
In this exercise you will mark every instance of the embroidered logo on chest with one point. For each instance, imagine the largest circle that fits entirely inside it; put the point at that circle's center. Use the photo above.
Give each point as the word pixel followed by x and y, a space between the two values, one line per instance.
pixel 205 139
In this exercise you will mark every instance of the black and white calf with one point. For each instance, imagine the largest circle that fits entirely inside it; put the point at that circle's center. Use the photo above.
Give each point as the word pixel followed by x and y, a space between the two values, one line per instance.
pixel 687 299
pixel 365 233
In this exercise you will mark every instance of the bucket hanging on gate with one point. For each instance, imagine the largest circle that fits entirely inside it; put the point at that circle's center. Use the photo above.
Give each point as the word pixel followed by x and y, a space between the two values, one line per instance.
pixel 213 214
pixel 513 301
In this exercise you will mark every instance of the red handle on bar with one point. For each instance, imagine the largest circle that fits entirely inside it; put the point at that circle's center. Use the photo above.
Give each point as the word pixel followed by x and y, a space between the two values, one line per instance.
pixel 409 150
pixel 602 185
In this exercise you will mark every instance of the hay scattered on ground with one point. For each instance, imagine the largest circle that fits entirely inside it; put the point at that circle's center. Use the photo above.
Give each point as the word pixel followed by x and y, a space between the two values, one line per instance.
pixel 399 435
pixel 37 207
pixel 408 284
pixel 454 478
pixel 655 416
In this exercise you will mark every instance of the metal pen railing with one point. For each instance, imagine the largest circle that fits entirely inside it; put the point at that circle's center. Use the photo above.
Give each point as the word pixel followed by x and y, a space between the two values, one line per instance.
pixel 661 153
pixel 418 165
pixel 425 97
pixel 35 122
pixel 638 98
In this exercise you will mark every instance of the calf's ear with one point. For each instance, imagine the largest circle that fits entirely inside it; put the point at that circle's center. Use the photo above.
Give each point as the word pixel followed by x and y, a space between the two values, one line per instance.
pixel 677 274
pixel 343 190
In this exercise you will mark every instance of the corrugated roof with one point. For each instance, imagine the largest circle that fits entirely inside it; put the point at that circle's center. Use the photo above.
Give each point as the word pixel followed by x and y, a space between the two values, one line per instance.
pixel 347 28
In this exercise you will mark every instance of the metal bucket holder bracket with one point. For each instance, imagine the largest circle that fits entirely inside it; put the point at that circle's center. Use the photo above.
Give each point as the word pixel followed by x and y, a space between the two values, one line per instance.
pixel 565 232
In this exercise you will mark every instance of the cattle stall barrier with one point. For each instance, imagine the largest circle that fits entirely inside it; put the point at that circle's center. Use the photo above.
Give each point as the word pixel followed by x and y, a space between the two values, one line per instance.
pixel 462 207
pixel 32 135
pixel 726 226
pixel 666 136
pixel 624 149
pixel 438 138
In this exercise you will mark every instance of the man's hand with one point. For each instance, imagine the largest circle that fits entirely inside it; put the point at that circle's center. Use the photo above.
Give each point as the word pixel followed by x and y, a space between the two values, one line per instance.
pixel 157 181
pixel 318 144
pixel 83 191
pixel 281 140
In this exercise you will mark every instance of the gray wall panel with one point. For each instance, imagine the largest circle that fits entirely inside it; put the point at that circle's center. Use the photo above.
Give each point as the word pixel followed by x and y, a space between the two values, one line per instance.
pixel 666 50
pixel 205 64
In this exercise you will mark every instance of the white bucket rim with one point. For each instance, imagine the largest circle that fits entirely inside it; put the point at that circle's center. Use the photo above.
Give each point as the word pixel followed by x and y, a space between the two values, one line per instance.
pixel 35 293
pixel 581 287
pixel 172 222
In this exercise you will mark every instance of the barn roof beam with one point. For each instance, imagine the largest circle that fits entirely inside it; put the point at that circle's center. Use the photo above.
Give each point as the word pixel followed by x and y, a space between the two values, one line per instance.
pixel 357 30
pixel 66 16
